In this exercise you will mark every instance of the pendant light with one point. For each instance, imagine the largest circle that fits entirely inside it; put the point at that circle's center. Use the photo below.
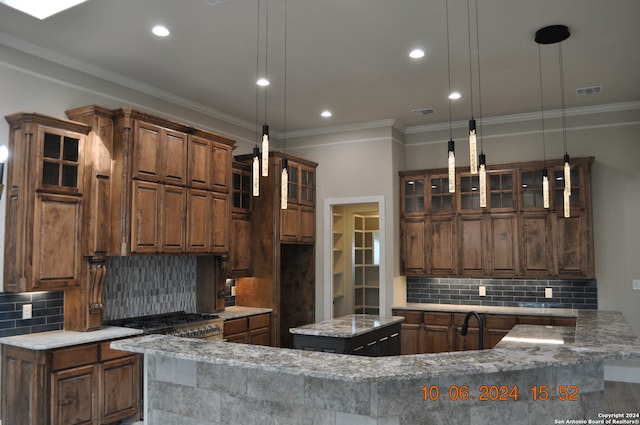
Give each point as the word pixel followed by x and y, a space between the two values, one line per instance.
pixel 545 171
pixel 264 81
pixel 284 178
pixel 473 150
pixel 255 174
pixel 451 151
pixel 556 34
pixel 482 167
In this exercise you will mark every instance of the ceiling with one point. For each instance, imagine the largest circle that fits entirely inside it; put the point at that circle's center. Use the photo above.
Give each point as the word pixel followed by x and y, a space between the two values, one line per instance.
pixel 349 56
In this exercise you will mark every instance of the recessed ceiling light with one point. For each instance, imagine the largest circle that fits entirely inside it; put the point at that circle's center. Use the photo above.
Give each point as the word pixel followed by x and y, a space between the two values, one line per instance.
pixel 326 114
pixel 160 31
pixel 416 53
pixel 455 95
pixel 41 9
pixel 263 82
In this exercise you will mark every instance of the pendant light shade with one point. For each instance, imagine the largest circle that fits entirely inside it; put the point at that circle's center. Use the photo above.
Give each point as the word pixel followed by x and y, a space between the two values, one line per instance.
pixel 256 172
pixel 483 181
pixel 284 184
pixel 452 166
pixel 567 186
pixel 545 188
pixel 265 150
pixel 473 150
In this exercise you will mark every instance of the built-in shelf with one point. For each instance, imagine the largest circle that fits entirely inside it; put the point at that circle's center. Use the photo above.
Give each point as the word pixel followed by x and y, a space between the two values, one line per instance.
pixel 366 261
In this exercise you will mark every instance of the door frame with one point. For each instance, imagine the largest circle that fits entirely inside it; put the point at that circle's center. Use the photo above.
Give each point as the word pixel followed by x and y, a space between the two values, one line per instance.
pixel 327 236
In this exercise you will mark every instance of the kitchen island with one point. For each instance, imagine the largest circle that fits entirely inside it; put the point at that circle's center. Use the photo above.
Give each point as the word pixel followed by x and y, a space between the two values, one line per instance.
pixel 358 334
pixel 194 381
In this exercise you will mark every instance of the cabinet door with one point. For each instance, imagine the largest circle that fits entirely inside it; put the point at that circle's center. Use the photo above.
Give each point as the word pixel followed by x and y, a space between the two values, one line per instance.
pixel 221 164
pixel 120 389
pixel 293 189
pixel 572 246
pixel 307 185
pixel 503 250
pixel 73 400
pixel 174 204
pixel 198 223
pixel 174 157
pixel 57 225
pixel 146 156
pixel 307 224
pixel 443 246
pixel 220 216
pixel 535 250
pixel 414 248
pixel 199 167
pixel 62 165
pixel 240 245
pixel 290 223
pixel 146 203
pixel 473 245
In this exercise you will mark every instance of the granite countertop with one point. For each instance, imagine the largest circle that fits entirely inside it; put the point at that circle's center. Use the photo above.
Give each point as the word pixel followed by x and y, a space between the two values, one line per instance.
pixel 347 326
pixel 465 308
pixel 237 311
pixel 59 339
pixel 599 335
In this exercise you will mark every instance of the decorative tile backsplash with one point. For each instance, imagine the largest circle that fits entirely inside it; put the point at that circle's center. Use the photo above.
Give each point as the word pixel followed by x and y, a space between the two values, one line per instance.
pixel 142 285
pixel 579 294
pixel 47 313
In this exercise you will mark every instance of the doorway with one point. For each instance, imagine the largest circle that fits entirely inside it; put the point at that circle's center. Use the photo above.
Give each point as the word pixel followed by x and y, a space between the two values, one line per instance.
pixel 355 258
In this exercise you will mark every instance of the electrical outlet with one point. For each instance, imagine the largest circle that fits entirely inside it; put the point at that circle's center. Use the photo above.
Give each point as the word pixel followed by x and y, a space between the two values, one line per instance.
pixel 548 292
pixel 482 291
pixel 27 311
pixel 635 283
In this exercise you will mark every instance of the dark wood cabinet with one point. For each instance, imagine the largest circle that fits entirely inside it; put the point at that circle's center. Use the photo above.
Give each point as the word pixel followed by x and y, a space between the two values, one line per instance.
pixel 438 331
pixel 255 329
pixel 298 220
pixel 44 219
pixel 449 234
pixel 84 384
pixel 240 244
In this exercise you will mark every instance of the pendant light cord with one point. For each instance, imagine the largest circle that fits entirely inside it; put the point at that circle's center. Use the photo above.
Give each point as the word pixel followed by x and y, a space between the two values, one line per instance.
pixel 449 70
pixel 257 72
pixel 479 77
pixel 564 123
pixel 266 55
pixel 470 62
pixel 544 143
pixel 284 132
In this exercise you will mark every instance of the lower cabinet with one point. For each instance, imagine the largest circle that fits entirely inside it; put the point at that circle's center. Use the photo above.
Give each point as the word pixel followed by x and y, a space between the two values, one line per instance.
pixel 85 384
pixel 437 332
pixel 254 330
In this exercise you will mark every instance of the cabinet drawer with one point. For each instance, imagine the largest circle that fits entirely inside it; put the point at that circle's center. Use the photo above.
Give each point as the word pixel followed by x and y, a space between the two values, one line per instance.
pixel 500 321
pixel 410 317
pixel 564 321
pixel 458 320
pixel 108 353
pixel 235 326
pixel 259 321
pixel 534 320
pixel 74 356
pixel 437 318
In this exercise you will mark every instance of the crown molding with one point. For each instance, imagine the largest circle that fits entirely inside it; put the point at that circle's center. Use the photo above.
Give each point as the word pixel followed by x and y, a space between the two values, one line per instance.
pixel 112 77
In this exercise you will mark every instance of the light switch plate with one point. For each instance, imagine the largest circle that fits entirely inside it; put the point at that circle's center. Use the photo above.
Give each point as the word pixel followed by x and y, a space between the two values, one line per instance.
pixel 636 284
pixel 482 291
pixel 548 292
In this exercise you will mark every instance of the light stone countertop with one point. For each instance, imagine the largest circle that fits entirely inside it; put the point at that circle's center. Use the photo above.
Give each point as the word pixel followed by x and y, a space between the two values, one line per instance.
pixel 465 308
pixel 347 326
pixel 236 311
pixel 599 335
pixel 59 339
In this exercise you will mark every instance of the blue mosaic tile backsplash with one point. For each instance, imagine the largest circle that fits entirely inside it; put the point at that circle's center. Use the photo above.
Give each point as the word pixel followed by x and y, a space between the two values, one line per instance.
pixel 578 294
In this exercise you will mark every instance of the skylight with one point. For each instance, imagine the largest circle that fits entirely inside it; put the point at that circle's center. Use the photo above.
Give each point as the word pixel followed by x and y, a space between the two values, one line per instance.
pixel 41 9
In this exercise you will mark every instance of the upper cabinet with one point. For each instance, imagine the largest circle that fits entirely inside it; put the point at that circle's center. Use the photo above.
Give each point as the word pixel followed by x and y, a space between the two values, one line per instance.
pixel 240 248
pixel 45 182
pixel 298 221
pixel 449 234
pixel 156 186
